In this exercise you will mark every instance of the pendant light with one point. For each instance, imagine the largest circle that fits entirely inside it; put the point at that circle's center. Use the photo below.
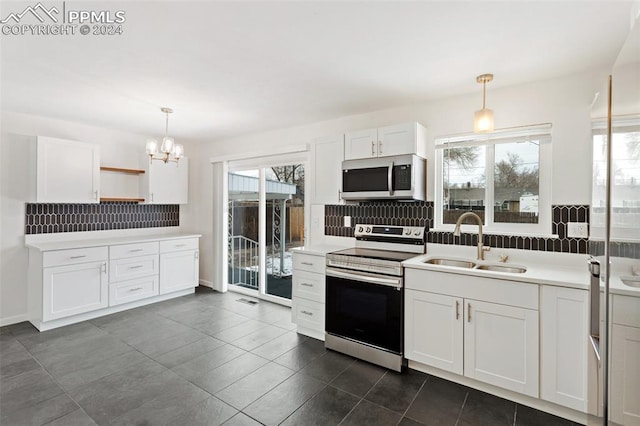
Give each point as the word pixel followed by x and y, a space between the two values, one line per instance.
pixel 168 150
pixel 483 120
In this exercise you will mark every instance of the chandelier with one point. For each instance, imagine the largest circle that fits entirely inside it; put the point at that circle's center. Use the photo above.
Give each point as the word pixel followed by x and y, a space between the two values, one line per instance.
pixel 168 150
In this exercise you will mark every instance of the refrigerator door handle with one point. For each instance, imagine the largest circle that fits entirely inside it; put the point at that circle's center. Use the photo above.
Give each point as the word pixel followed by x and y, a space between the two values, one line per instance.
pixel 594 311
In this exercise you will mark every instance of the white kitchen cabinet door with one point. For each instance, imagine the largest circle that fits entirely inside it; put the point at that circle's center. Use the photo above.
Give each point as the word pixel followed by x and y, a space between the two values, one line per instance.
pixel 625 374
pixel 67 171
pixel 361 144
pixel 326 162
pixel 74 289
pixel 501 346
pixel 564 347
pixel 178 271
pixel 166 183
pixel 397 140
pixel 434 330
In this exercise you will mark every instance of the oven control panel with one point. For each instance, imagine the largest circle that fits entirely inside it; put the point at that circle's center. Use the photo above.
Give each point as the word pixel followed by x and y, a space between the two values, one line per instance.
pixel 365 231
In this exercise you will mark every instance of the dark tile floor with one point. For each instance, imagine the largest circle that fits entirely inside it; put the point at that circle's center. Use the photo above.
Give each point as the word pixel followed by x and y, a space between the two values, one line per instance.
pixel 209 359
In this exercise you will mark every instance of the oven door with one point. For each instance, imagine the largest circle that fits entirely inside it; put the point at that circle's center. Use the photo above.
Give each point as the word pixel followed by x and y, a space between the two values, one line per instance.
pixel 365 307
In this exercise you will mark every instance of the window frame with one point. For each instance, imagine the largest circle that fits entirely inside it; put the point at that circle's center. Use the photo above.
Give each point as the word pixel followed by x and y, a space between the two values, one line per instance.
pixel 499 136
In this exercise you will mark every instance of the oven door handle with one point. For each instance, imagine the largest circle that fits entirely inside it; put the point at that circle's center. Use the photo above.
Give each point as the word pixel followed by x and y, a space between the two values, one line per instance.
pixel 390 282
pixel 390 178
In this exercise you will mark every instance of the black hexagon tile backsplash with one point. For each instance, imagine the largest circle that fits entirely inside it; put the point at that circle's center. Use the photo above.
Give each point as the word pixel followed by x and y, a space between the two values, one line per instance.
pixel 52 218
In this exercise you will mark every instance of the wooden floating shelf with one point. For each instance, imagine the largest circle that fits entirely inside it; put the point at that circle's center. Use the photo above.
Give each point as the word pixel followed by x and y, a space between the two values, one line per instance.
pixel 129 199
pixel 121 170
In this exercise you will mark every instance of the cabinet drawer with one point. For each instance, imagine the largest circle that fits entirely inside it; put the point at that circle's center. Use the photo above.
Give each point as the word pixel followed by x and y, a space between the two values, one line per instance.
pixel 309 263
pixel 309 314
pixel 73 256
pixel 133 267
pixel 178 245
pixel 626 310
pixel 131 290
pixel 309 285
pixel 128 250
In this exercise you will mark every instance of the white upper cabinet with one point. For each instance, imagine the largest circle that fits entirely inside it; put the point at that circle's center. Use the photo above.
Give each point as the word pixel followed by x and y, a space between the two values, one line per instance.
pixel 326 160
pixel 67 171
pixel 166 183
pixel 399 139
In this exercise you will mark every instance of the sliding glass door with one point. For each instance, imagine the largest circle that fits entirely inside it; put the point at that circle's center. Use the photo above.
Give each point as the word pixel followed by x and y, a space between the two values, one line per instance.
pixel 265 221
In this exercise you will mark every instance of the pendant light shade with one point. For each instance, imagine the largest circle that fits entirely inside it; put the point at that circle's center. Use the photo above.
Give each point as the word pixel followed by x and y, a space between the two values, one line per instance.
pixel 483 119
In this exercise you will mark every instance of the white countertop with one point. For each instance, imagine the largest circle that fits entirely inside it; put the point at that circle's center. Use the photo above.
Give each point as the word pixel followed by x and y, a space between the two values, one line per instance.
pixel 558 269
pixel 320 249
pixel 107 241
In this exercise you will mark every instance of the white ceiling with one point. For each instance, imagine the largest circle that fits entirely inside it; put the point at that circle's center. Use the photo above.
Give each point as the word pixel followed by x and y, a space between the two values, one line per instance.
pixel 236 67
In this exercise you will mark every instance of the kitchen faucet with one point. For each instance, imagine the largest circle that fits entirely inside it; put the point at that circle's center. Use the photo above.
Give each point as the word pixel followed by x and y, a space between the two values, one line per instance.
pixel 456 232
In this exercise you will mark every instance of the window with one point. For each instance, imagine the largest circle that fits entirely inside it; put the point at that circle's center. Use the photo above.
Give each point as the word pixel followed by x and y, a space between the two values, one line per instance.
pixel 503 177
pixel 625 182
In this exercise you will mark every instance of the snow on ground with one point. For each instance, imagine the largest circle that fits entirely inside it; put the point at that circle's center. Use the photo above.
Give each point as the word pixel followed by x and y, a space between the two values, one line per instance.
pixel 273 265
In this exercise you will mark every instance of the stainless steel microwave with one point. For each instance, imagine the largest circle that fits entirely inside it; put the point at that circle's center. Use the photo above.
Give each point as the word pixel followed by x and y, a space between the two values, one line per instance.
pixel 401 177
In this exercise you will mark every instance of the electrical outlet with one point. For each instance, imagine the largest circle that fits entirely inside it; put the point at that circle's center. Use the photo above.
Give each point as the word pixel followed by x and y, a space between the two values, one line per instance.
pixel 577 230
pixel 347 221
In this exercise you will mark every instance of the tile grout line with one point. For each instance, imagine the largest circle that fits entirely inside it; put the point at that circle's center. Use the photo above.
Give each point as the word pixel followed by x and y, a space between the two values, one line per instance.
pixel 362 398
pixel 64 391
pixel 413 399
pixel 462 408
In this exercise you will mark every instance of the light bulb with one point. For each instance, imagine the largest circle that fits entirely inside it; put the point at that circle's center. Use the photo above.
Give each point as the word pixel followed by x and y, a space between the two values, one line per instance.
pixel 178 151
pixel 152 147
pixel 167 145
pixel 483 121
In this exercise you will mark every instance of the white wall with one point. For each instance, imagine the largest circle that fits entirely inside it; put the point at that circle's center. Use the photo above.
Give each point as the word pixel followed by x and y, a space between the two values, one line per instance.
pixel 117 148
pixel 564 102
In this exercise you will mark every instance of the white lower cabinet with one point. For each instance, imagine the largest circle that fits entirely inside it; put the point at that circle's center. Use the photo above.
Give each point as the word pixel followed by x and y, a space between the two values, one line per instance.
pixel 501 346
pixel 440 346
pixel 565 370
pixel 494 340
pixel 625 361
pixel 308 294
pixel 132 290
pixel 178 271
pixel 71 285
pixel 74 289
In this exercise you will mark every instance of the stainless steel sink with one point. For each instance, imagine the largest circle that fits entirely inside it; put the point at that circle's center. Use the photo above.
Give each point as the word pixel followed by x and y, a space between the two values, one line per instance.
pixel 631 281
pixel 503 268
pixel 451 262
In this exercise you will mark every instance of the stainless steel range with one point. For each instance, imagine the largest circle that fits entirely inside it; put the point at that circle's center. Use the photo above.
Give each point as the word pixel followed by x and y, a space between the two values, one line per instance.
pixel 365 293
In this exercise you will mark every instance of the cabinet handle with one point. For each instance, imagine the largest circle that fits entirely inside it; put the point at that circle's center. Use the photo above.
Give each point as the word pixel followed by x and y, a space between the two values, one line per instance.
pixel 307 313
pixel 95 194
pixel 306 284
pixel 104 268
pixel 180 245
pixel 307 263
pixel 136 289
pixel 78 257
pixel 135 267
pixel 373 148
pixel 152 197
pixel 196 255
pixel 468 312
pixel 136 250
pixel 457 309
pixel 379 147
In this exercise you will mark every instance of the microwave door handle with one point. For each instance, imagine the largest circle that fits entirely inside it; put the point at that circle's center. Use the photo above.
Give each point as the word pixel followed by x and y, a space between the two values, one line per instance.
pixel 390 178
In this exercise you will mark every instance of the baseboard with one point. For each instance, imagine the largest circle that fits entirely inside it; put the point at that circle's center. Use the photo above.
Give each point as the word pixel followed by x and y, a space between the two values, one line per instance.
pixel 206 283
pixel 14 319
